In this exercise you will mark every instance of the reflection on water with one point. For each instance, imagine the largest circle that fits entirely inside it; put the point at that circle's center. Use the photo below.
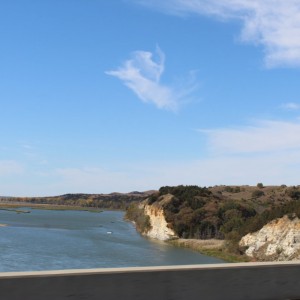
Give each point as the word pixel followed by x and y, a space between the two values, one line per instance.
pixel 49 240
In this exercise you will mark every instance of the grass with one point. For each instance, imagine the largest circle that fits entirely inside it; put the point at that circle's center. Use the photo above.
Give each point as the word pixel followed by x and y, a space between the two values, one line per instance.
pixel 224 255
pixel 214 248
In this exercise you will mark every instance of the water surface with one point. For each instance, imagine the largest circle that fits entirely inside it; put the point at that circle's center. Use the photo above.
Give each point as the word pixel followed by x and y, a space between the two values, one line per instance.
pixel 53 240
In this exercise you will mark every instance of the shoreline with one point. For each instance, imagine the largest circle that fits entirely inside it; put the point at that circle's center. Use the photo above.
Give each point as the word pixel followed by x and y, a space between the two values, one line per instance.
pixel 213 247
pixel 15 206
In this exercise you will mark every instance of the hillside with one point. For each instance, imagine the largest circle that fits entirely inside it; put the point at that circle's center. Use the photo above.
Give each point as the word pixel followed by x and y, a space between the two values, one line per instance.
pixel 105 201
pixel 219 212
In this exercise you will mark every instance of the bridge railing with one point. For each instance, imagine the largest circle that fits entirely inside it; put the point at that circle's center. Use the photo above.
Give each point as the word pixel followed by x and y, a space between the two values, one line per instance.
pixel 257 281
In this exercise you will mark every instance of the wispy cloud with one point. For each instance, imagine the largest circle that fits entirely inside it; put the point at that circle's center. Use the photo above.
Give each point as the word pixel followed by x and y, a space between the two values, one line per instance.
pixel 275 24
pixel 10 167
pixel 142 74
pixel 100 180
pixel 269 168
pixel 290 106
pixel 264 136
pixel 267 151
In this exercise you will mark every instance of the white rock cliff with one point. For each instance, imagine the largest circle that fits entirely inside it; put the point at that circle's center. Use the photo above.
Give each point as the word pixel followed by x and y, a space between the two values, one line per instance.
pixel 278 240
pixel 159 226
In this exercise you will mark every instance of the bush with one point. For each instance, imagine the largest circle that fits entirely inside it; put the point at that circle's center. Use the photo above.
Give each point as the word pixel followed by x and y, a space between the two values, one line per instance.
pixel 153 198
pixel 184 192
pixel 136 214
pixel 294 193
pixel 260 185
pixel 231 189
pixel 257 194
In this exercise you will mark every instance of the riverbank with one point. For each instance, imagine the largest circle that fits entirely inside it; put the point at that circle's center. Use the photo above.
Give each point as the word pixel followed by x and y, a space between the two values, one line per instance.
pixel 213 247
pixel 16 207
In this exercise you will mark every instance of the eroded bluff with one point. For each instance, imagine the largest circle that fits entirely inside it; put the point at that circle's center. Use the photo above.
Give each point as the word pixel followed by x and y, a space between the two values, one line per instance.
pixel 278 240
pixel 159 228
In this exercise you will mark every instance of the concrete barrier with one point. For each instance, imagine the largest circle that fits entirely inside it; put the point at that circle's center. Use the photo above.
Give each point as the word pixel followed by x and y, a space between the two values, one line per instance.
pixel 257 281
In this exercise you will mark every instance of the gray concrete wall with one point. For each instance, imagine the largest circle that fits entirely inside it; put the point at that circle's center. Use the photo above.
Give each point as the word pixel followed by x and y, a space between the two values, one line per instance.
pixel 257 281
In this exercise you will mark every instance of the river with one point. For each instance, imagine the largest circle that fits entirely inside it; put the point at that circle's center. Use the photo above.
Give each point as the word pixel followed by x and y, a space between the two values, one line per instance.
pixel 54 240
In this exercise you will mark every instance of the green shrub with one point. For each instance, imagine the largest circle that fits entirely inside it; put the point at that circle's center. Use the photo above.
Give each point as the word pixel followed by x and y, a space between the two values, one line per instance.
pixel 153 198
pixel 136 214
pixel 257 193
pixel 294 193
pixel 231 189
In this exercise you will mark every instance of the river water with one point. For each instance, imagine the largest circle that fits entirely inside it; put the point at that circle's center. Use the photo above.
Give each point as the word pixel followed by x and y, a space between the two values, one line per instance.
pixel 54 240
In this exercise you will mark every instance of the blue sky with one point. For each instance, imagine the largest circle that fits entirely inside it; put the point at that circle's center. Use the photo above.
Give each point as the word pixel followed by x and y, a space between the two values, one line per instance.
pixel 122 95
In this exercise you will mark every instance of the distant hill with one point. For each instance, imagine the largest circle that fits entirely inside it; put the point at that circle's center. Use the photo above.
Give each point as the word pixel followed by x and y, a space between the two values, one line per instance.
pixel 105 201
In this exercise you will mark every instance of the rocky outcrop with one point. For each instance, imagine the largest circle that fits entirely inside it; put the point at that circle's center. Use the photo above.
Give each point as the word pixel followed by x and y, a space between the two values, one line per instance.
pixel 278 240
pixel 160 229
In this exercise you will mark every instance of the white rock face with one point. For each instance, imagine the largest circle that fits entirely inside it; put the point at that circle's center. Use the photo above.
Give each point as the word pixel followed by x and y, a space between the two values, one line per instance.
pixel 160 229
pixel 278 240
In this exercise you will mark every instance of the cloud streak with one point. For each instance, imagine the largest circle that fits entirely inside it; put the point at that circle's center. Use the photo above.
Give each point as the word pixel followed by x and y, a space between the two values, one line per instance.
pixel 269 168
pixel 10 167
pixel 291 106
pixel 274 24
pixel 142 74
pixel 267 151
pixel 265 136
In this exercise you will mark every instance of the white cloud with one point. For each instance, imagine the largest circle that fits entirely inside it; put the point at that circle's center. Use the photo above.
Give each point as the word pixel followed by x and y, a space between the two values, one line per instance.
pixel 291 106
pixel 275 24
pixel 27 147
pixel 93 180
pixel 269 168
pixel 265 136
pixel 10 167
pixel 142 75
pixel 268 152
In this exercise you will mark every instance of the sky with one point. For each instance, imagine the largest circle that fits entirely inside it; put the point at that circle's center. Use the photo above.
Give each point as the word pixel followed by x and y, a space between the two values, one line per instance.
pixel 124 95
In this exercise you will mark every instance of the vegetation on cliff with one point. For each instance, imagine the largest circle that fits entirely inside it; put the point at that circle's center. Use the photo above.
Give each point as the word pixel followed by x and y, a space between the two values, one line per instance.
pixel 199 213
pixel 224 212
pixel 135 213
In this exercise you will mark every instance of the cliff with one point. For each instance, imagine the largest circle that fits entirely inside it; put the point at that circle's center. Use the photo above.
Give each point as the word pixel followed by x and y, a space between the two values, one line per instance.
pixel 159 228
pixel 278 240
pixel 225 213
